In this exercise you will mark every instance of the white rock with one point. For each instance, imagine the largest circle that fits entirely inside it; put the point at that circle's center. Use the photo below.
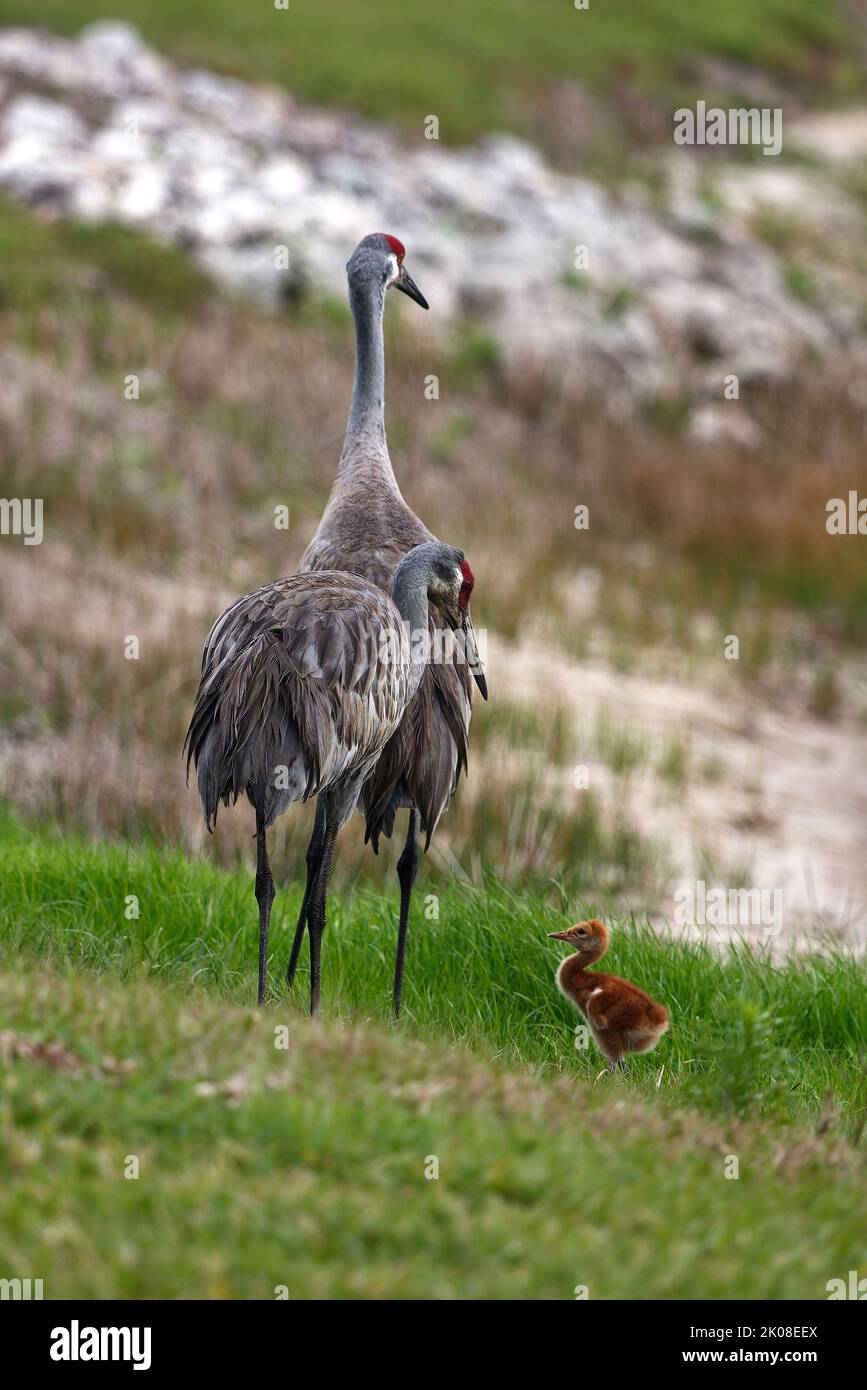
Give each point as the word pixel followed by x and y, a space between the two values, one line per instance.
pixel 514 158
pixel 39 118
pixel 143 197
pixel 116 147
pixel 670 302
pixel 836 135
pixel 92 200
pixel 283 179
pixel 30 170
pixel 119 60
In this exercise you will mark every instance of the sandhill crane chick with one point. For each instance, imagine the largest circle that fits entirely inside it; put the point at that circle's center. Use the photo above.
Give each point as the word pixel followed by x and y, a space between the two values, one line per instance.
pixel 621 1017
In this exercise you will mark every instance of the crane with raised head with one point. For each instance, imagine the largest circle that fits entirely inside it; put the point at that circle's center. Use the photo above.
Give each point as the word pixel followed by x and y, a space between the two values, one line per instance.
pixel 365 529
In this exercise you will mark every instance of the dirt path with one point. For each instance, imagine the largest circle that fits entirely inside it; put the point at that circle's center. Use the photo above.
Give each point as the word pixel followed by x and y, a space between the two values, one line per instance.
pixel 771 799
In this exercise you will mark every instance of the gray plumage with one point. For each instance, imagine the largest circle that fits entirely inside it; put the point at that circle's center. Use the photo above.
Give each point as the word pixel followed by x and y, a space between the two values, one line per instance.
pixel 295 692
pixel 303 682
pixel 421 765
pixel 365 529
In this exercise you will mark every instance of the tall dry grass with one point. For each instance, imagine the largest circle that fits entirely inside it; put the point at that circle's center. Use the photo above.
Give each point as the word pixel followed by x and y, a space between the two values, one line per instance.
pixel 160 510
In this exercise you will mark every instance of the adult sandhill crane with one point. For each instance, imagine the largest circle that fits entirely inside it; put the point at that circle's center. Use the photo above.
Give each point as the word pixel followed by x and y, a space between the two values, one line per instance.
pixel 303 683
pixel 365 529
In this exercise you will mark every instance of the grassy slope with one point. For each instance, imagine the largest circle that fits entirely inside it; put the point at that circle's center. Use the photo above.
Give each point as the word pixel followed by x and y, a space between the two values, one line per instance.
pixel 479 974
pixel 261 1166
pixel 478 66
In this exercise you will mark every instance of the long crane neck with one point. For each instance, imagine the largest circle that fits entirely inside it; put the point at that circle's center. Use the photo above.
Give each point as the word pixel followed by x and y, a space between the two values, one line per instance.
pixel 365 450
pixel 409 591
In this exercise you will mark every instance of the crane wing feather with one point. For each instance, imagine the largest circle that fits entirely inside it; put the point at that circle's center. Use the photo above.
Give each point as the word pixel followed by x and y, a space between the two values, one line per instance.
pixel 297 674
pixel 366 530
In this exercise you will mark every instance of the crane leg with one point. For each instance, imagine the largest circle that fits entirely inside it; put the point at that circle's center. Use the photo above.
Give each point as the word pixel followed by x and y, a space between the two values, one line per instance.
pixel 314 853
pixel 264 897
pixel 407 867
pixel 317 909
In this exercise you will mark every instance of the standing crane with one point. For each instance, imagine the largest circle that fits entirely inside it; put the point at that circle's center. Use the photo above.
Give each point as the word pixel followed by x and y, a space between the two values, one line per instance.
pixel 303 683
pixel 365 529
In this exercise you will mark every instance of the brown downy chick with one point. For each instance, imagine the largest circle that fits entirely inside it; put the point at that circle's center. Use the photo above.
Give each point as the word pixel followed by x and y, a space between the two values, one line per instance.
pixel 621 1017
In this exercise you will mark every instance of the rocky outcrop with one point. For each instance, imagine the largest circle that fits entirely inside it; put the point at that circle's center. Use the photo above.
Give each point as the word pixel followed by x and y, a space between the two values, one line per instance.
pixel 670 302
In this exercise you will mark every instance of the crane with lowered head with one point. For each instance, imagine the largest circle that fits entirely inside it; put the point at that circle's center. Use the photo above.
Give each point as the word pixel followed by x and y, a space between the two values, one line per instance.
pixel 303 683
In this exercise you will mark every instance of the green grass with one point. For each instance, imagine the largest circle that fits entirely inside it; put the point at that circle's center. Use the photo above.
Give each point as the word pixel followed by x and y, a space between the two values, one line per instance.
pixel 476 67
pixel 41 261
pixel 261 1168
pixel 275 1152
pixel 621 749
pixel 480 968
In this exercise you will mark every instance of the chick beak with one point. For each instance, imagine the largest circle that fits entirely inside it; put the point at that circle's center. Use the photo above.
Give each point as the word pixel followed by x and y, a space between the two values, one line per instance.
pixel 558 935
pixel 407 285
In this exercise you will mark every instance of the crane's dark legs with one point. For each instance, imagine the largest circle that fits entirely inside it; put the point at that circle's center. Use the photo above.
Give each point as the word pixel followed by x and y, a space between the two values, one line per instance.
pixel 264 897
pixel 318 898
pixel 407 867
pixel 314 852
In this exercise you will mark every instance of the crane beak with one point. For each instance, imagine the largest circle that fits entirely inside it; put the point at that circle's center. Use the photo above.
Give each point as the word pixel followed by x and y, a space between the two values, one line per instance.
pixel 407 285
pixel 558 935
pixel 459 619
pixel 473 659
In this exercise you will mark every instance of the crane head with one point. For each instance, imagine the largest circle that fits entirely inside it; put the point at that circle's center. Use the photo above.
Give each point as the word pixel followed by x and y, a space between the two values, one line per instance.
pixel 448 579
pixel 453 600
pixel 379 258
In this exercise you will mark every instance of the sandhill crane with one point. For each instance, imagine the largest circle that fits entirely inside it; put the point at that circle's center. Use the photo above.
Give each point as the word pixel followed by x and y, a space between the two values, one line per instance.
pixel 365 529
pixel 622 1018
pixel 303 683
